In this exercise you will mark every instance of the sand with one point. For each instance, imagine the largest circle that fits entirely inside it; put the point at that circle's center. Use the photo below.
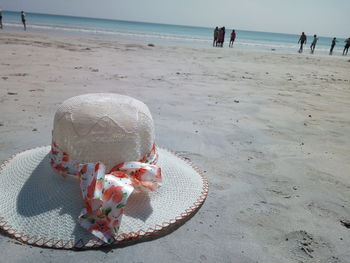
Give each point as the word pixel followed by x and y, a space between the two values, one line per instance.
pixel 270 131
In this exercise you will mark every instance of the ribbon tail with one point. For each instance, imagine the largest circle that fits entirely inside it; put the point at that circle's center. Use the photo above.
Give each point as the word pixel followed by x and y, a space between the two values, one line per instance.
pixel 105 197
pixel 96 226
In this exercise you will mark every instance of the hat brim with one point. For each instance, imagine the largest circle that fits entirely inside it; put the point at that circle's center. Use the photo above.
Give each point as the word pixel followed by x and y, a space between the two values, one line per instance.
pixel 40 207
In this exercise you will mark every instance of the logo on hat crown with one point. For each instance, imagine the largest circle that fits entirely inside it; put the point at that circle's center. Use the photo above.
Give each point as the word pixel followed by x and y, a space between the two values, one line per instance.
pixel 104 127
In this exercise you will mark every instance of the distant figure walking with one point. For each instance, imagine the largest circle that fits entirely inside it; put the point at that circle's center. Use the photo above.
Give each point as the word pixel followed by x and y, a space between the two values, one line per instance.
pixel 233 37
pixel 302 41
pixel 216 33
pixel 0 19
pixel 346 47
pixel 313 44
pixel 334 41
pixel 23 17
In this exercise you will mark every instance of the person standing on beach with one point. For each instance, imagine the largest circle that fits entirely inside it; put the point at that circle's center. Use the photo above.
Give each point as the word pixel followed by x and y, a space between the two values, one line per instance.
pixel 223 36
pixel 313 44
pixel 302 41
pixel 346 47
pixel 216 32
pixel 0 19
pixel 220 38
pixel 233 37
pixel 23 17
pixel 334 41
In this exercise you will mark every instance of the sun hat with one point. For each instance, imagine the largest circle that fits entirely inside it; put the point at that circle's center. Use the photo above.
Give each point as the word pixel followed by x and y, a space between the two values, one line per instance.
pixel 102 181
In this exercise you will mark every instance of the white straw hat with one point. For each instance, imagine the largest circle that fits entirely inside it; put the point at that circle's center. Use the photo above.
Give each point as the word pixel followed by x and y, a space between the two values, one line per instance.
pixel 39 206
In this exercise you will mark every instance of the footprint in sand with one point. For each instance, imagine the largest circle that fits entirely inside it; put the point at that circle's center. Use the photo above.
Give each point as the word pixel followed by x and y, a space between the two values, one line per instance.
pixel 31 90
pixel 19 74
pixel 117 76
pixel 94 69
pixel 303 246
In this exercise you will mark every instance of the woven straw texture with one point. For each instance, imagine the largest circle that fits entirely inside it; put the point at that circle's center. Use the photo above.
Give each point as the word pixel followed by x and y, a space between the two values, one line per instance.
pixel 40 207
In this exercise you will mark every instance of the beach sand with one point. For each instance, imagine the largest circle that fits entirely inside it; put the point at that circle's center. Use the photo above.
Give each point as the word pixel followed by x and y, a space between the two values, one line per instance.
pixel 269 130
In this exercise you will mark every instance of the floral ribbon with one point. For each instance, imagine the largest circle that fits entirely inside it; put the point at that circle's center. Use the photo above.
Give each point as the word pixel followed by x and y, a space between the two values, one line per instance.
pixel 106 195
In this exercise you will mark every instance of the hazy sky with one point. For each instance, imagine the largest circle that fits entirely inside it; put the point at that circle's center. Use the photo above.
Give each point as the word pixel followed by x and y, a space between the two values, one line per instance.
pixel 323 17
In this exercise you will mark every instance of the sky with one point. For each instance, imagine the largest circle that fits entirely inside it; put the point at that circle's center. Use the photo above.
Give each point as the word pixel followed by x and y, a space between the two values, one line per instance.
pixel 321 17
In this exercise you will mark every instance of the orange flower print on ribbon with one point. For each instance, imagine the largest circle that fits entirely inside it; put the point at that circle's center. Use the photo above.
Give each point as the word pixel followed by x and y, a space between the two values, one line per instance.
pixel 119 174
pixel 61 162
pixel 83 169
pixel 100 226
pixel 91 189
pixel 59 167
pixel 114 192
pixel 106 195
pixel 99 184
pixel 97 166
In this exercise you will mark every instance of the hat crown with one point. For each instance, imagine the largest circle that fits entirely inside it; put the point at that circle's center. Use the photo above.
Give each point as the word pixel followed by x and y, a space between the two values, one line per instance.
pixel 105 127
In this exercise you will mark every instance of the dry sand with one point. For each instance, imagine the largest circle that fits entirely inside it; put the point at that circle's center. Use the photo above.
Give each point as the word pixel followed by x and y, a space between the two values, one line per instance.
pixel 270 130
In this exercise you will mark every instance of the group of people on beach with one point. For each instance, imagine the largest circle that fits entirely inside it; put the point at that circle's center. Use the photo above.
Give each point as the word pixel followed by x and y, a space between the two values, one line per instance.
pixel 219 37
pixel 23 18
pixel 303 39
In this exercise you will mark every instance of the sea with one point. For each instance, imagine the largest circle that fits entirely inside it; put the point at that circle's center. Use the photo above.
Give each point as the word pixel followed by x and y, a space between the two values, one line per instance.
pixel 163 33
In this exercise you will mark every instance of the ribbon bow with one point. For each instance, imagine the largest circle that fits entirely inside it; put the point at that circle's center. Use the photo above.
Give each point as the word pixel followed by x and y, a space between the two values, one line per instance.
pixel 106 195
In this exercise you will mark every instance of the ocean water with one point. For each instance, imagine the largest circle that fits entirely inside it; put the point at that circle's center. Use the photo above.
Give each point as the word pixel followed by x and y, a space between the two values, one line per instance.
pixel 172 34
